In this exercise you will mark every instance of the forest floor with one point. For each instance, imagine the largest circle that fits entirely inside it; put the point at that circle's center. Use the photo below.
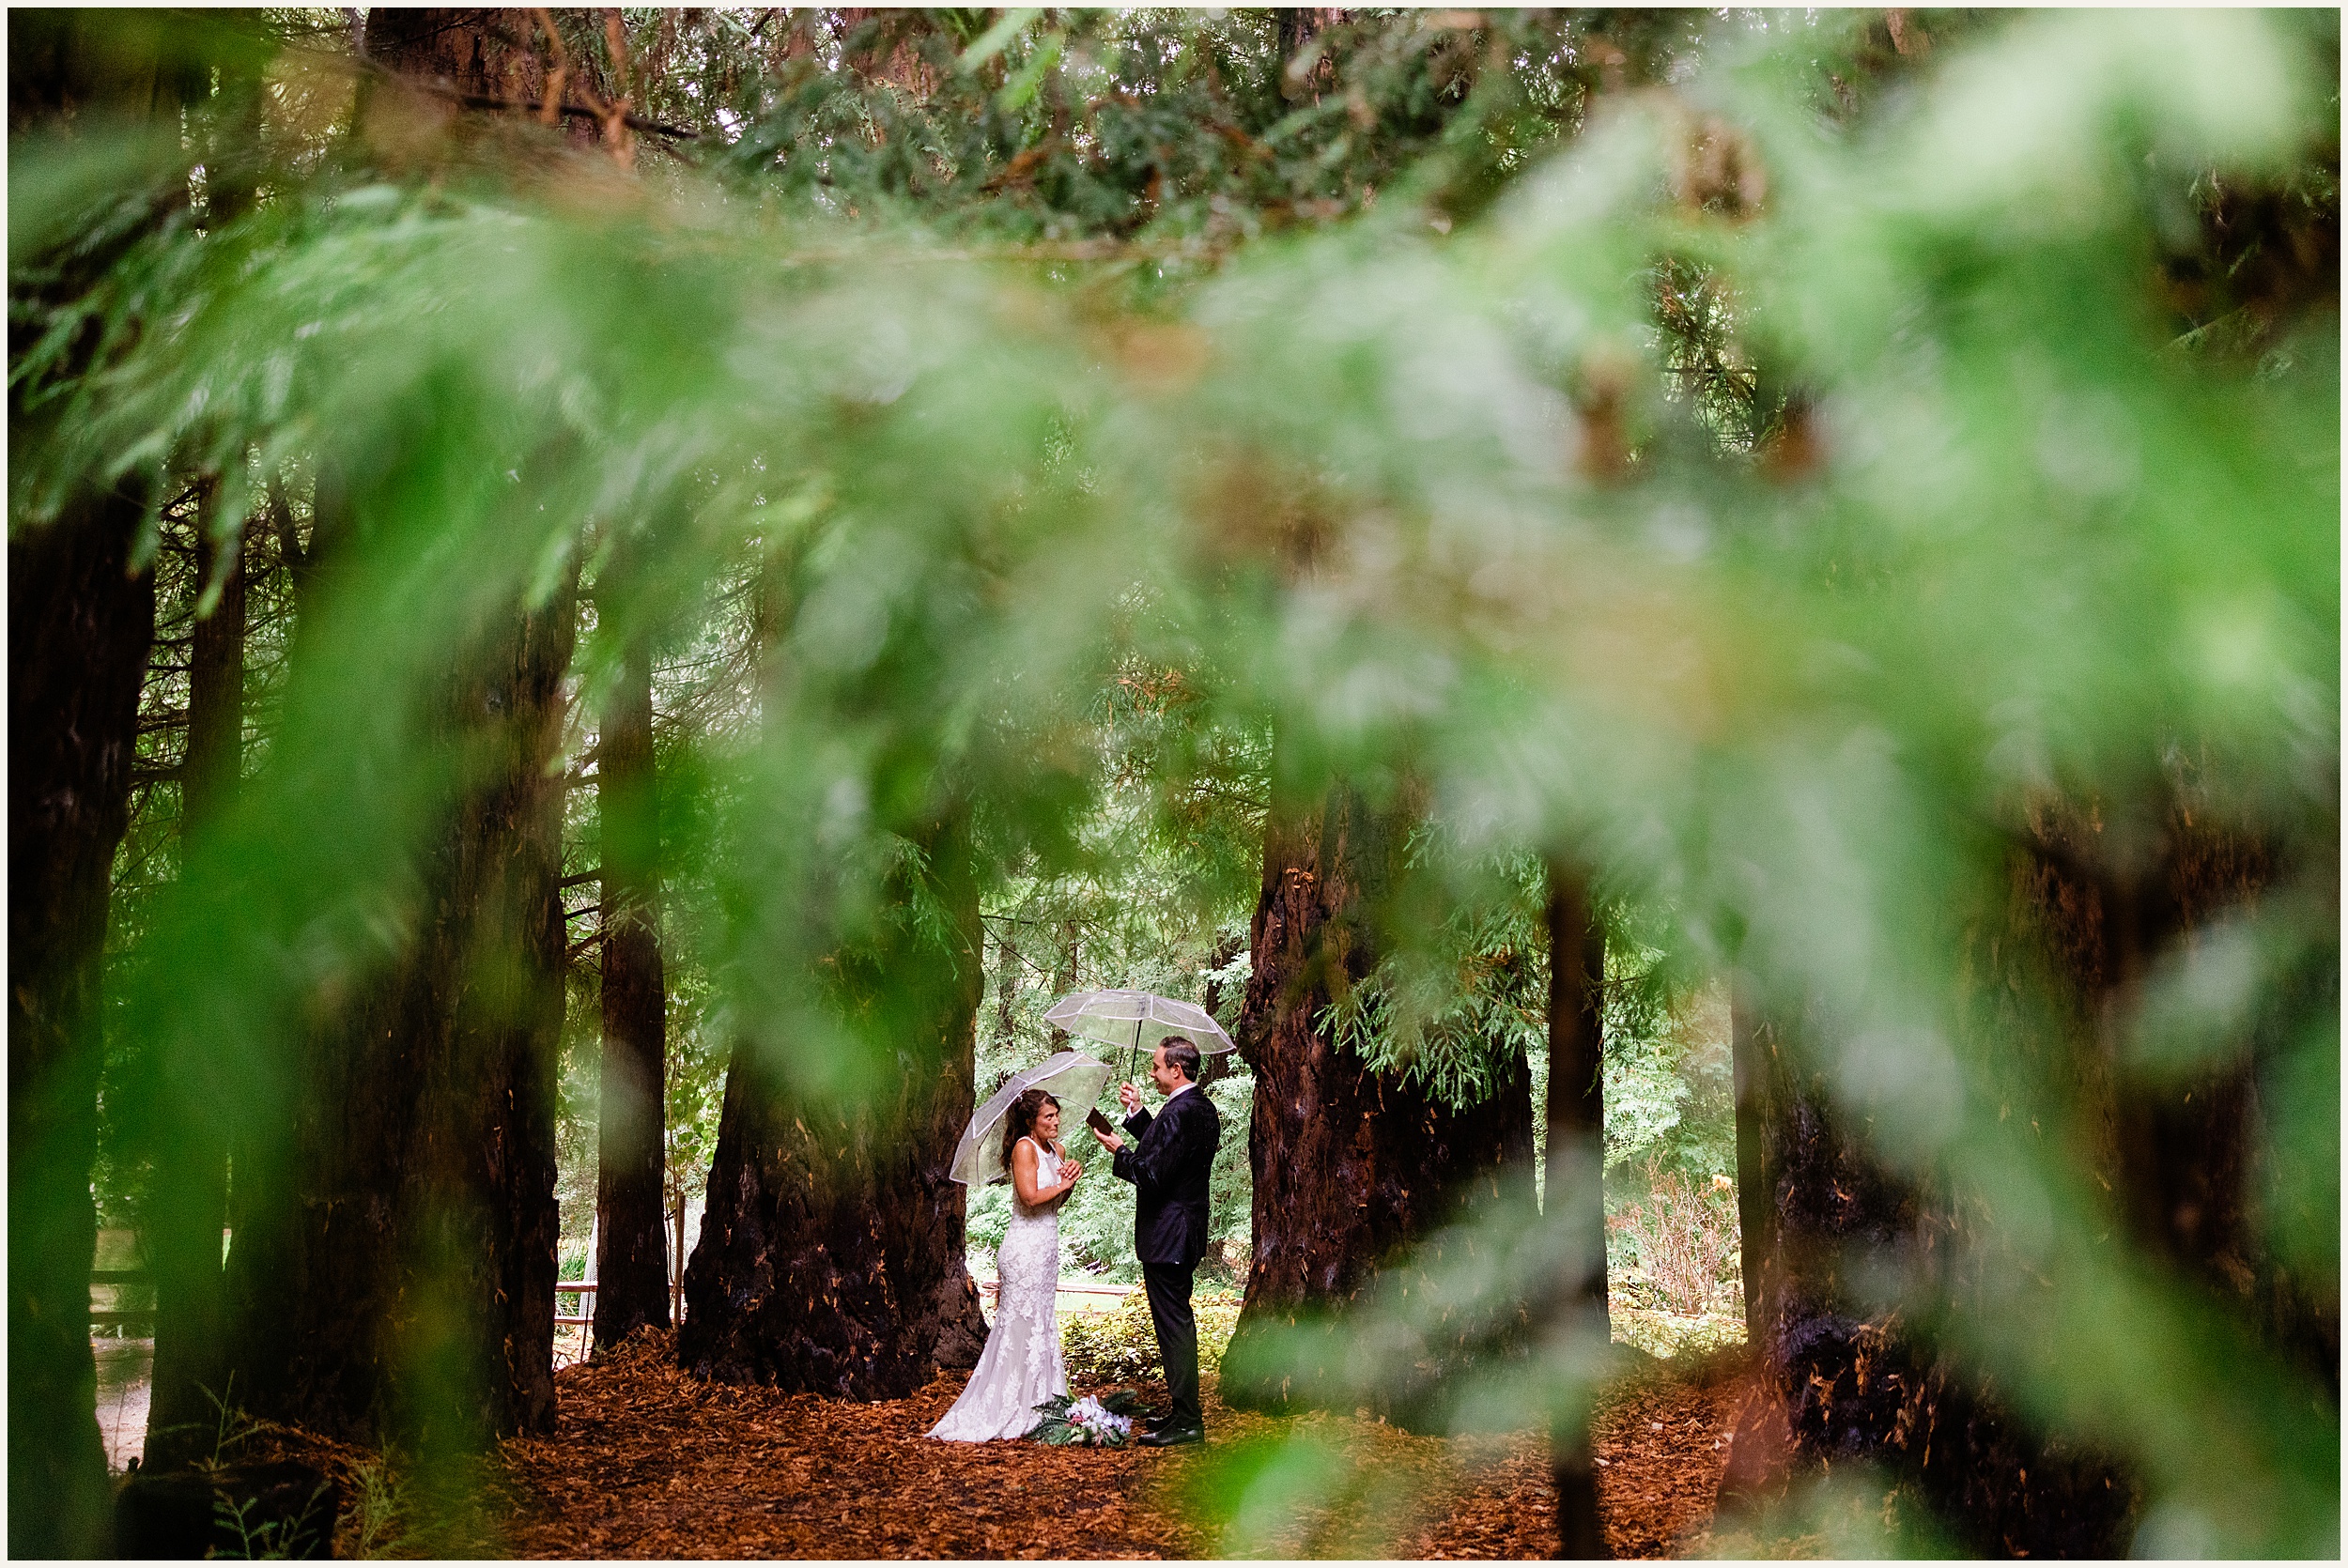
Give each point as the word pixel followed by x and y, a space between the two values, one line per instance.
pixel 646 1461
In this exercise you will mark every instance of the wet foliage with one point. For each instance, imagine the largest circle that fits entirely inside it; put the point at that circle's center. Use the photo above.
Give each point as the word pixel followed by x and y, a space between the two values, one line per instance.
pixel 1818 482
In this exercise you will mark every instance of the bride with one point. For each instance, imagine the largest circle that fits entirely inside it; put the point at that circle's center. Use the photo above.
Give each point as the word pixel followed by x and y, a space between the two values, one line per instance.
pixel 1020 1367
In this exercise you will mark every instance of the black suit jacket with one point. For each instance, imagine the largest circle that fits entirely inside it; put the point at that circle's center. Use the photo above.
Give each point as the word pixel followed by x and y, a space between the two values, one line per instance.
pixel 1167 1160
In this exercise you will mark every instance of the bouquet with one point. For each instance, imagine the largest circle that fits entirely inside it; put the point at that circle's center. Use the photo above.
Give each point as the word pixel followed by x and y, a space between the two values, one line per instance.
pixel 1093 1422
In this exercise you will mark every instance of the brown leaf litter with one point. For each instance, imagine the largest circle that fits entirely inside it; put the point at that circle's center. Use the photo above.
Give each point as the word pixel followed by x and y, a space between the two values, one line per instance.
pixel 648 1462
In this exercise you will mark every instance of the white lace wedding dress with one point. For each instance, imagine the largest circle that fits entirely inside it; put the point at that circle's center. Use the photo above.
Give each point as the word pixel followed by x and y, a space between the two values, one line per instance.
pixel 1021 1367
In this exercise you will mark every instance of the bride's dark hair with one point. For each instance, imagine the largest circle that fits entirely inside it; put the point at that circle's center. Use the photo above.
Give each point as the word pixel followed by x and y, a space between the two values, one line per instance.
pixel 1021 1122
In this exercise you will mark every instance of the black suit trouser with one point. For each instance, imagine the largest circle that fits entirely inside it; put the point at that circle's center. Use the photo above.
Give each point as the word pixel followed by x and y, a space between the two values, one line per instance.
pixel 1168 1287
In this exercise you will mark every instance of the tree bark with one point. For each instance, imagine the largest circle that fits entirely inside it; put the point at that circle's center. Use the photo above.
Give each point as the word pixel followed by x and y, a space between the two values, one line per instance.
pixel 1350 1166
pixel 488 50
pixel 397 1283
pixel 631 1265
pixel 1753 1064
pixel 2179 1151
pixel 78 627
pixel 496 54
pixel 1575 1199
pixel 392 1276
pixel 1838 1385
pixel 191 1164
pixel 1295 26
pixel 191 1197
pixel 830 1257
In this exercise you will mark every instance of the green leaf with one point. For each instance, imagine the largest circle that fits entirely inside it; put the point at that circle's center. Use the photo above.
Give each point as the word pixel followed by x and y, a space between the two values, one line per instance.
pixel 998 37
pixel 1021 87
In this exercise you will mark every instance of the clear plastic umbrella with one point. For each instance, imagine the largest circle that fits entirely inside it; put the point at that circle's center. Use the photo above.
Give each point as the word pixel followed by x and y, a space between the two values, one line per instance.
pixel 1137 1021
pixel 1071 1076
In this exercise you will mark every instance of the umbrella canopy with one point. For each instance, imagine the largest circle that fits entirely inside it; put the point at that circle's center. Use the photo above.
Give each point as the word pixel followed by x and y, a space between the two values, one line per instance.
pixel 1073 1077
pixel 1137 1021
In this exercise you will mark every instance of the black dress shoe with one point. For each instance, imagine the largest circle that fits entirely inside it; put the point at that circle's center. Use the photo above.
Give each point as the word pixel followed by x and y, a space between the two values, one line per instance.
pixel 1172 1436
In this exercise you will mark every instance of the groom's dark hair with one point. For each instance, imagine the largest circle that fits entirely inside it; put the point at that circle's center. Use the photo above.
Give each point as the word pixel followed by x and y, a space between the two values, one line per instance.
pixel 1181 1054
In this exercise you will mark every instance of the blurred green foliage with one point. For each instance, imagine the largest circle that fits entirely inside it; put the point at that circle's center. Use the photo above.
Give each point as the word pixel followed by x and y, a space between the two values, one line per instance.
pixel 1762 470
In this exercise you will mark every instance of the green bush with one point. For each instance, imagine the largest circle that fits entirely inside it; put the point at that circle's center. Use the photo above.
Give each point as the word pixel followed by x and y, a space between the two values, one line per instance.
pixel 1668 1333
pixel 1121 1345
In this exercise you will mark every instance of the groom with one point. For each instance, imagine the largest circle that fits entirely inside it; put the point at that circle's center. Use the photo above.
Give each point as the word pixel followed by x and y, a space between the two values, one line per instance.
pixel 1167 1165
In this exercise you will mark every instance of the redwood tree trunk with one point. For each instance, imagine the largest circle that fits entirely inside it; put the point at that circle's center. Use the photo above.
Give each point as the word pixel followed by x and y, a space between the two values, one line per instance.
pixel 1350 1166
pixel 2180 1150
pixel 1839 1386
pixel 190 1192
pixel 401 1285
pixel 190 1201
pixel 1575 1198
pixel 830 1257
pixel 632 1263
pixel 78 626
pixel 398 1280
pixel 1753 1064
pixel 394 1280
pixel 489 51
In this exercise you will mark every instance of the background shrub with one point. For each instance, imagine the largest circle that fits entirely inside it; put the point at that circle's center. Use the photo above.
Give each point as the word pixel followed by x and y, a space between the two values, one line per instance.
pixel 1121 1346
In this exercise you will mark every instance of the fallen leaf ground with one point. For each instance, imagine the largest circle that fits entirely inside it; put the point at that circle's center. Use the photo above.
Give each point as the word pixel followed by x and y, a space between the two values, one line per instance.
pixel 647 1462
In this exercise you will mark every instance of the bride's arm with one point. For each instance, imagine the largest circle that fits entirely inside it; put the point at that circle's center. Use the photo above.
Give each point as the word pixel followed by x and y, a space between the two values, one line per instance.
pixel 1024 1165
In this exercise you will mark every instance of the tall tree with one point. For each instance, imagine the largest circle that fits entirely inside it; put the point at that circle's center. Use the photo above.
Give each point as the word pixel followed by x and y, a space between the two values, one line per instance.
pixel 395 1277
pixel 190 1205
pixel 2180 1148
pixel 1841 1381
pixel 1754 1070
pixel 398 1277
pixel 81 620
pixel 78 624
pixel 191 1202
pixel 631 1262
pixel 1350 1165
pixel 1574 1198
pixel 830 1257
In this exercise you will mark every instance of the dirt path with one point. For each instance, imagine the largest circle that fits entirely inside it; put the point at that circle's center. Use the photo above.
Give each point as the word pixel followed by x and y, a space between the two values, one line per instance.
pixel 646 1462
